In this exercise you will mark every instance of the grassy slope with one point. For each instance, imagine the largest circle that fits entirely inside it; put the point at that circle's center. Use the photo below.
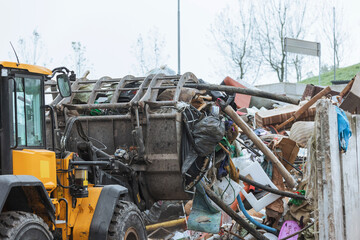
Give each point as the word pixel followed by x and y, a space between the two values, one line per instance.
pixel 346 73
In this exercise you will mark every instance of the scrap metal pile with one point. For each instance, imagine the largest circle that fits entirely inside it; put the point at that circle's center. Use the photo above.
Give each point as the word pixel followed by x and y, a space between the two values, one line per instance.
pixel 242 167
pixel 255 185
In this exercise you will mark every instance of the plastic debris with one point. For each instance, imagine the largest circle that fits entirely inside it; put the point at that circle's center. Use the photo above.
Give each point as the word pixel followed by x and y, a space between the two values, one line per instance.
pixel 343 129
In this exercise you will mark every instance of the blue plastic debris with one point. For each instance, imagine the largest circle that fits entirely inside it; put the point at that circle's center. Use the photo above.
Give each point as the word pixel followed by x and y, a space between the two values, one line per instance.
pixel 344 129
pixel 203 217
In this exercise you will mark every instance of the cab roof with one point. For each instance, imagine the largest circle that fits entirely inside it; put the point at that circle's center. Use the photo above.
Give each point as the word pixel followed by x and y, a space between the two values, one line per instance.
pixel 28 67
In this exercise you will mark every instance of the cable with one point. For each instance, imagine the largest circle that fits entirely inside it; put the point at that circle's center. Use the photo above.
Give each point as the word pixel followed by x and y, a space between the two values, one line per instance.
pixel 250 148
pixel 286 161
pixel 229 184
pixel 242 208
pixel 104 148
pixel 58 182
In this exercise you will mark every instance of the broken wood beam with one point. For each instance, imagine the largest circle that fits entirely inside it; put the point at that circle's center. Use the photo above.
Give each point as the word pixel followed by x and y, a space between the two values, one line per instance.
pixel 347 89
pixel 246 91
pixel 305 107
pixel 289 180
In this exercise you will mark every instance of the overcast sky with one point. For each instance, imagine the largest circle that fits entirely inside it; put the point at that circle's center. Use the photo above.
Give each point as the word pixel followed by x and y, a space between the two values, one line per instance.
pixel 109 30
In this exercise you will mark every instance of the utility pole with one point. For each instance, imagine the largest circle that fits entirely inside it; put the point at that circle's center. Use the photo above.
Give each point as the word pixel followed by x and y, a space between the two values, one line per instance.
pixel 334 46
pixel 178 37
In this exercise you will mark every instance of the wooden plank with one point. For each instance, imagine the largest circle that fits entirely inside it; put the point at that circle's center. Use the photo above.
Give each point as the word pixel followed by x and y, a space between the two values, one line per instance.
pixel 334 180
pixel 281 114
pixel 331 224
pixel 351 102
pixel 337 188
pixel 289 180
pixel 351 182
pixel 358 149
pixel 350 187
pixel 322 133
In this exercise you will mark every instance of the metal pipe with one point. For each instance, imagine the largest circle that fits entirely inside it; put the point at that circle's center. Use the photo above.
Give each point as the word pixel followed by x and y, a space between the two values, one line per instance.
pixel 97 106
pixel 271 190
pixel 334 46
pixel 104 117
pixel 114 80
pixel 246 91
pixel 67 211
pixel 137 117
pixel 105 155
pixel 166 224
pixel 90 163
pixel 232 213
pixel 290 164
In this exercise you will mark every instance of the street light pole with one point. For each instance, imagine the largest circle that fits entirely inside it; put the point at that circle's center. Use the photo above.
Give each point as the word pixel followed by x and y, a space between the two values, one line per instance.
pixel 178 37
pixel 334 46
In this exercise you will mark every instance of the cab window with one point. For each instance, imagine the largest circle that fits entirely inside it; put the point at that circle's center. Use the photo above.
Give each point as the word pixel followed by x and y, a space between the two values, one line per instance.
pixel 28 115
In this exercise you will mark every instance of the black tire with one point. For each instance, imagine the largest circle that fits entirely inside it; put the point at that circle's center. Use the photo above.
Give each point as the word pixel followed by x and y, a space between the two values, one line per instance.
pixel 127 223
pixel 17 225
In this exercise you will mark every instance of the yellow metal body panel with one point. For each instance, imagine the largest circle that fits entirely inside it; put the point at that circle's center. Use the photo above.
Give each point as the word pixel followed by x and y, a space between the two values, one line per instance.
pixel 30 68
pixel 80 217
pixel 84 210
pixel 63 165
pixel 38 163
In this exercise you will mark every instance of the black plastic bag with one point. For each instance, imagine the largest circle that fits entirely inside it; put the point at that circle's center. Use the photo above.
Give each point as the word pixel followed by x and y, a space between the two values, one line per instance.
pixel 205 135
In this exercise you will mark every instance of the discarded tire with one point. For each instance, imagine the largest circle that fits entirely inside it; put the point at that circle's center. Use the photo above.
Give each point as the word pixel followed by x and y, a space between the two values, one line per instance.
pixel 126 223
pixel 23 226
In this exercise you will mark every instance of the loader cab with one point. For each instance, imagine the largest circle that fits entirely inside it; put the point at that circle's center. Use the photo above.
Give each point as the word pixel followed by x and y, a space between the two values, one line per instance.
pixel 36 200
pixel 22 112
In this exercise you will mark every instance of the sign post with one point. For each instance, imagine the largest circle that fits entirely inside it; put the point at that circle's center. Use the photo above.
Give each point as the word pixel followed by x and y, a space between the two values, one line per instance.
pixel 305 48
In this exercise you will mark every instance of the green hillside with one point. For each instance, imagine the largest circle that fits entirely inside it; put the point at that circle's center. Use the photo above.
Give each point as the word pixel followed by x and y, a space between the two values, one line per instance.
pixel 345 73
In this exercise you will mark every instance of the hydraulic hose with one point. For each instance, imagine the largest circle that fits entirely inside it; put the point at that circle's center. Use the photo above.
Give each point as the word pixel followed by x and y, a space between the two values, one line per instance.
pixel 242 208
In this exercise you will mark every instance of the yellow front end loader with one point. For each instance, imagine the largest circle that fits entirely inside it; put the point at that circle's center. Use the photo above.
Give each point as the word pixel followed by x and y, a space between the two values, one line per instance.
pixel 46 193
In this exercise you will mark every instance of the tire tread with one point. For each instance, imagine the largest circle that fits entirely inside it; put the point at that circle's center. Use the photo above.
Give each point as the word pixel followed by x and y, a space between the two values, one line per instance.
pixel 122 209
pixel 9 221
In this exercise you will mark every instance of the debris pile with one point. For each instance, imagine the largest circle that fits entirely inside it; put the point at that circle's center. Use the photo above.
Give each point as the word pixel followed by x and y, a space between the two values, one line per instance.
pixel 247 167
pixel 242 160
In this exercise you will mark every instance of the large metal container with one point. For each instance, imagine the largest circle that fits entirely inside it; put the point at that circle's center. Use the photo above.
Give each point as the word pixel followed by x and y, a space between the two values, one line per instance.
pixel 135 118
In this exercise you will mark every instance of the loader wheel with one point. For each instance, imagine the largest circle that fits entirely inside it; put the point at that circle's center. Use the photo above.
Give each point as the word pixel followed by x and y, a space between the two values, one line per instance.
pixel 126 223
pixel 17 225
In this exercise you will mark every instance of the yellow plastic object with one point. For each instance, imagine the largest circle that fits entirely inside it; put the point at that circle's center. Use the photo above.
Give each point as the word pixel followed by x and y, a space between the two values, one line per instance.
pixel 168 224
pixel 38 163
pixel 30 68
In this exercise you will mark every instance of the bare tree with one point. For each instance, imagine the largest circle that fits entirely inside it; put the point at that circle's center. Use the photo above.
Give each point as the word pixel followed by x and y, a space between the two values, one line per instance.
pixel 149 51
pixel 297 62
pixel 234 37
pixel 31 49
pixel 140 55
pixel 79 58
pixel 337 41
pixel 280 19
